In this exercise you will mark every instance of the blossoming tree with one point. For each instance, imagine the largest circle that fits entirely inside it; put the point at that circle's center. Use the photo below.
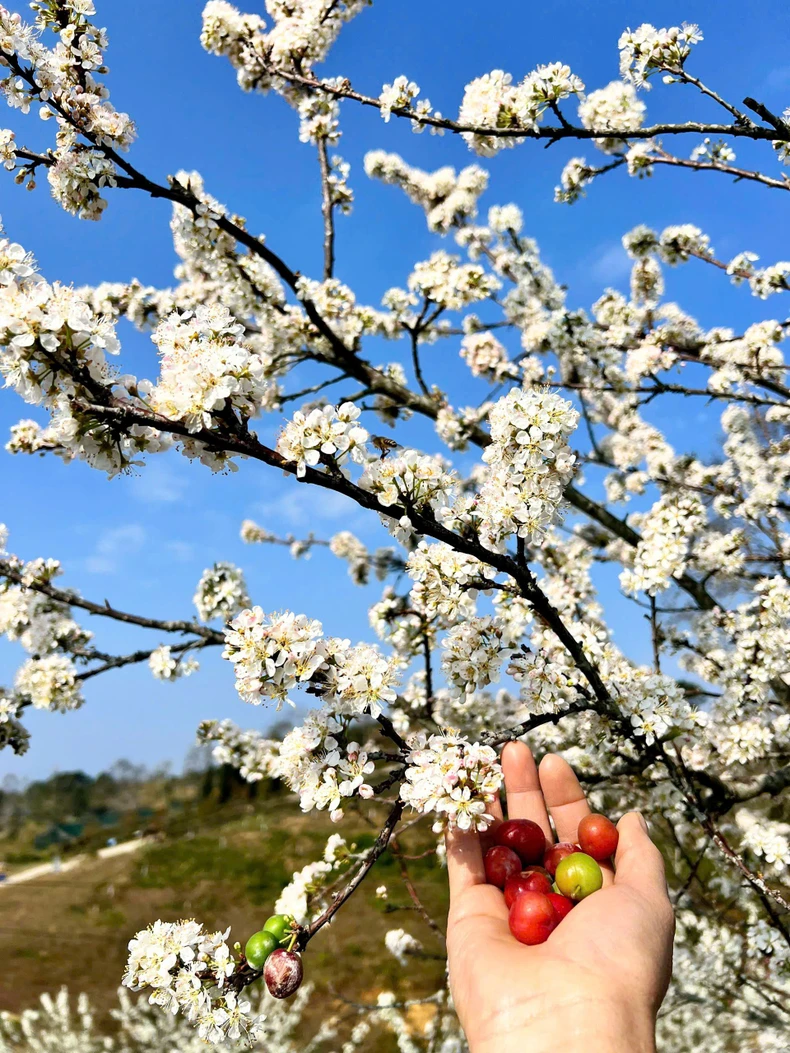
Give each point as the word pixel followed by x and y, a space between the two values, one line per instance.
pixel 489 573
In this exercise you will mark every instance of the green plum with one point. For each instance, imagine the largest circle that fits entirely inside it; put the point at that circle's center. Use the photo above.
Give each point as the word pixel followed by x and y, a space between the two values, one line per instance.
pixel 578 876
pixel 281 926
pixel 259 946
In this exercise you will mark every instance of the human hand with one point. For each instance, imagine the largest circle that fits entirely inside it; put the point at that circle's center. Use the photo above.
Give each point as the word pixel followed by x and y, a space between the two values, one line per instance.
pixel 596 984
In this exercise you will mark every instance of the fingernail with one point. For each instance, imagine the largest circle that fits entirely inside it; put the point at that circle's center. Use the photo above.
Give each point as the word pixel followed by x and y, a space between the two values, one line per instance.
pixel 643 823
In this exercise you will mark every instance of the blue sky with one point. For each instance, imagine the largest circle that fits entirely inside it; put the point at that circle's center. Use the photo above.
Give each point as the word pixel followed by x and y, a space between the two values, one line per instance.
pixel 143 542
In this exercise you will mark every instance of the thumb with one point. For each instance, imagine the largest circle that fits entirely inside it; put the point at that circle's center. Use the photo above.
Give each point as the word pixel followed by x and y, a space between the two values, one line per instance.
pixel 638 863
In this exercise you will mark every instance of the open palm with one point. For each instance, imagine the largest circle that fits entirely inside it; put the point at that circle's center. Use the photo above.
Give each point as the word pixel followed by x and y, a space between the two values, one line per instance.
pixel 602 973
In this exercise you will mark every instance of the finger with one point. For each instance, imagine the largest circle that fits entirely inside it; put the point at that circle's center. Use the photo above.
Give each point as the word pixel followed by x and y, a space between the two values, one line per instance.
pixel 564 796
pixel 522 787
pixel 638 863
pixel 464 860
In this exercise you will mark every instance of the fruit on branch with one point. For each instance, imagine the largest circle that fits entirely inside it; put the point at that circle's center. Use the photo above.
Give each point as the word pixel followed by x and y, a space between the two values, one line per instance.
pixel 598 837
pixel 532 918
pixel 501 863
pixel 557 852
pixel 524 837
pixel 259 946
pixel 534 881
pixel 578 876
pixel 282 926
pixel 283 973
pixel 562 905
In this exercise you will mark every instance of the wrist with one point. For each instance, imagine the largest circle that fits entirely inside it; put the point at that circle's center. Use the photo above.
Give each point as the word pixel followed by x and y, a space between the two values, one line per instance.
pixel 600 1023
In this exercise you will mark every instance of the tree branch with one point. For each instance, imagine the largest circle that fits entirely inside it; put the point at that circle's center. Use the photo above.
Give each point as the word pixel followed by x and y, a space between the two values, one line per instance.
pixel 327 210
pixel 71 599
pixel 551 132
pixel 378 848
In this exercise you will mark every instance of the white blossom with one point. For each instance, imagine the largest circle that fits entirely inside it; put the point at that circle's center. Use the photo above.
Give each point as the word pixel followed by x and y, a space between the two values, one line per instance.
pixel 221 592
pixel 327 431
pixel 613 108
pixel 400 944
pixel 453 778
pixel 50 683
pixel 165 667
pixel 646 50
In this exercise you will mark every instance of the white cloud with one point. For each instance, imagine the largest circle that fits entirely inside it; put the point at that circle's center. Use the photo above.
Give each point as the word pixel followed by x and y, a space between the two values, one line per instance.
pixel 112 545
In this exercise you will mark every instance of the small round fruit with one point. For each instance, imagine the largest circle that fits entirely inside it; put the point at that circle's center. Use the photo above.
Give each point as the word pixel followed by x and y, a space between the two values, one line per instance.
pixel 537 869
pixel 532 918
pixel 259 946
pixel 525 882
pixel 562 905
pixel 598 837
pixel 280 925
pixel 578 876
pixel 525 838
pixel 283 973
pixel 557 852
pixel 501 863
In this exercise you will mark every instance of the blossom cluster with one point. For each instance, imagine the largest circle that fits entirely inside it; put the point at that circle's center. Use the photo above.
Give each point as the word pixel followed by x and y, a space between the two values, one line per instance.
pixel 274 654
pixel 253 756
pixel 53 352
pixel 493 101
pixel 655 703
pixel 189 971
pixel 403 628
pixel 613 108
pixel 417 481
pixel 326 431
pixel 271 655
pixel 474 651
pixel 221 592
pixel 12 733
pixel 320 768
pixel 456 780
pixel 445 581
pixel 444 280
pixel 39 623
pixel 487 357
pixel 206 367
pixel 64 1022
pixel 347 546
pixel 530 463
pixel 667 531
pixel 546 686
pixel 301 35
pixel 50 683
pixel 647 50
pixel 64 80
pixel 164 666
pixel 401 944
pixel 766 838
pixel 448 198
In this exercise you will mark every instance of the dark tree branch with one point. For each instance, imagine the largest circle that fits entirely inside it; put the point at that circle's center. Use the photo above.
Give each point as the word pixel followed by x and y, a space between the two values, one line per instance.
pixel 71 599
pixel 327 210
